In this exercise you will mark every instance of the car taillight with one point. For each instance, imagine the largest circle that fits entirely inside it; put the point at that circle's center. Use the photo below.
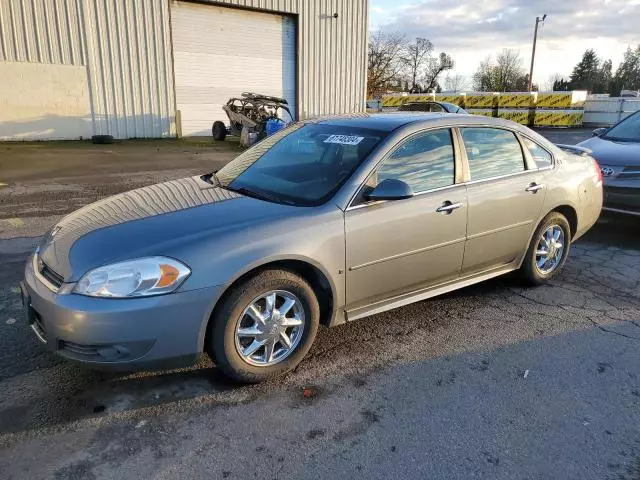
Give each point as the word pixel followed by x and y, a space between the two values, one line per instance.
pixel 597 178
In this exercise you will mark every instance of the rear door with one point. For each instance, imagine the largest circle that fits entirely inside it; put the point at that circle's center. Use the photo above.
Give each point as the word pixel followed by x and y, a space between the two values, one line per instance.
pixel 399 246
pixel 505 197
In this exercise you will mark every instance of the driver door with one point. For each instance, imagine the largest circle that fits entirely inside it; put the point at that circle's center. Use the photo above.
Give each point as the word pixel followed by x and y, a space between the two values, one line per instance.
pixel 400 246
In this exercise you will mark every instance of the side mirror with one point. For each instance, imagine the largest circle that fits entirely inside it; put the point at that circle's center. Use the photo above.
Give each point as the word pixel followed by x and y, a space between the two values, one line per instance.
pixel 599 132
pixel 390 189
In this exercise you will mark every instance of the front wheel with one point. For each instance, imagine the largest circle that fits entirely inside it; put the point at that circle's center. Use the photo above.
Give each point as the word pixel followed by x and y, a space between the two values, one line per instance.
pixel 264 326
pixel 548 250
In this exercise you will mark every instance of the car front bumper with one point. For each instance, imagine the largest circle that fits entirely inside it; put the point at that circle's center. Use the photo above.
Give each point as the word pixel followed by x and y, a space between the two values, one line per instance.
pixel 622 199
pixel 151 332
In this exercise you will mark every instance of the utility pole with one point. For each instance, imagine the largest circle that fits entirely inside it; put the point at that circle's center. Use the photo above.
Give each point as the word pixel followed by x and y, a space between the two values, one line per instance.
pixel 533 53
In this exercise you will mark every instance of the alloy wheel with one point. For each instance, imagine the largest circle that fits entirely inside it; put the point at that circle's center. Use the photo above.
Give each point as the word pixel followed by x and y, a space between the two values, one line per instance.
pixel 270 328
pixel 550 249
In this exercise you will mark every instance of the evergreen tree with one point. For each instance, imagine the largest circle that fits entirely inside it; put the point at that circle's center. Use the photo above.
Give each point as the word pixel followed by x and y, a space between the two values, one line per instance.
pixel 603 83
pixel 627 75
pixel 586 73
pixel 560 84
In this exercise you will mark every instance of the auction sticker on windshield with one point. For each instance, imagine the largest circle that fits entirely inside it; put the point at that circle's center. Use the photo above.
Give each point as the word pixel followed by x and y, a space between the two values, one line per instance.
pixel 344 139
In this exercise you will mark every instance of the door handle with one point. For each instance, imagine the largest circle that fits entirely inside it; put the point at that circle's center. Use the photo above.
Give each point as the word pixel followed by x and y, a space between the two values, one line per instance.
pixel 534 187
pixel 448 207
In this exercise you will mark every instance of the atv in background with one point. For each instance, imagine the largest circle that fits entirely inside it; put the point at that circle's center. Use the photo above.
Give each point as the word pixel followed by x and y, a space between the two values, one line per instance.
pixel 252 116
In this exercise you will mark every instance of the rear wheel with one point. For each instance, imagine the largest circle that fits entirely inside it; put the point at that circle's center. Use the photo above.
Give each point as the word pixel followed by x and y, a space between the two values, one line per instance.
pixel 264 326
pixel 219 130
pixel 548 249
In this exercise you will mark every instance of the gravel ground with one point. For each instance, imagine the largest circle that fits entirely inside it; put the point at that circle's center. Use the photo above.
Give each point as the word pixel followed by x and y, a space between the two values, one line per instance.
pixel 42 181
pixel 492 381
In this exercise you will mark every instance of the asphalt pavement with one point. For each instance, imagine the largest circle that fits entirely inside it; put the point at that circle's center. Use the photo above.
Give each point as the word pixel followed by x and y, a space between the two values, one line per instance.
pixel 493 381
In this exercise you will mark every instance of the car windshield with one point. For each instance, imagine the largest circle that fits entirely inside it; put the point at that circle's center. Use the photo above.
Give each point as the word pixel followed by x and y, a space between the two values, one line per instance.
pixel 304 164
pixel 627 130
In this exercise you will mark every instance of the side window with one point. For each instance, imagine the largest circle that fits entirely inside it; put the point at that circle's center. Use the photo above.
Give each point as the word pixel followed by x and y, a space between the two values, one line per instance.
pixel 424 162
pixel 539 154
pixel 492 152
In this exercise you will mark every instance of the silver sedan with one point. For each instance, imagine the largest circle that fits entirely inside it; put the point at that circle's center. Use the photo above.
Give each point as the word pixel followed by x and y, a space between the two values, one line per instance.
pixel 325 222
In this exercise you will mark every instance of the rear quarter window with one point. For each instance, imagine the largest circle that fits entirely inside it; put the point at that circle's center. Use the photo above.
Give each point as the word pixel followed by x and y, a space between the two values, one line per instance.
pixel 540 155
pixel 492 152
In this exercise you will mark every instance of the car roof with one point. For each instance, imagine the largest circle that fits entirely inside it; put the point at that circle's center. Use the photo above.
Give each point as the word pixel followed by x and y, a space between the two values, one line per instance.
pixel 429 102
pixel 393 120
pixel 376 121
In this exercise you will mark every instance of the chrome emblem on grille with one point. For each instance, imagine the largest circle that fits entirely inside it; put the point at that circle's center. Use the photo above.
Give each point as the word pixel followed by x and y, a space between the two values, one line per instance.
pixel 607 171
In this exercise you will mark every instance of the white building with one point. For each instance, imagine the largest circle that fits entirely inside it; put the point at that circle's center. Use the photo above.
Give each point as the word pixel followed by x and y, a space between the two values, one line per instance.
pixel 71 69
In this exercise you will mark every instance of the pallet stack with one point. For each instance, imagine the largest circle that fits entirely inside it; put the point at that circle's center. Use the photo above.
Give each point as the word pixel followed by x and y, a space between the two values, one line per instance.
pixel 541 109
pixel 518 107
pixel 482 103
pixel 455 98
pixel 560 109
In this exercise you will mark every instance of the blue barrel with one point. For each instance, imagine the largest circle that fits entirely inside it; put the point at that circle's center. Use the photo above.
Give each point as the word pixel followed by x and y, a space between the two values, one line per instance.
pixel 273 125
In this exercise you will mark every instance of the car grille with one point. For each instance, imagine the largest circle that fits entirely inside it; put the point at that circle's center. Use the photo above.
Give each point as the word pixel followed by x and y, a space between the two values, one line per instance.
pixel 630 172
pixel 51 276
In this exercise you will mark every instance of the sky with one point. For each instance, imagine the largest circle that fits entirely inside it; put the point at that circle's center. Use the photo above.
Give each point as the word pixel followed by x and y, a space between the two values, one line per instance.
pixel 470 30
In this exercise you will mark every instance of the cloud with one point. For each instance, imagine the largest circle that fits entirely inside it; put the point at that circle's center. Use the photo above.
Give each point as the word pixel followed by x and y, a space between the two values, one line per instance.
pixel 499 23
pixel 470 30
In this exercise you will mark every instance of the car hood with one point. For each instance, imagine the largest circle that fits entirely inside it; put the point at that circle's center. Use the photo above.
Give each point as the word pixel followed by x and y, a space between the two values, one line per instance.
pixel 609 152
pixel 147 221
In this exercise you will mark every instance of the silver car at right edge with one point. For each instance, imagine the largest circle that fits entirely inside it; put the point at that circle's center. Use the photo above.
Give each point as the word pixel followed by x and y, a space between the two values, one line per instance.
pixel 617 150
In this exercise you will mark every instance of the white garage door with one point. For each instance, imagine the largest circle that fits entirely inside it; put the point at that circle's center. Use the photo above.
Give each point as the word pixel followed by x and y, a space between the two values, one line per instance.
pixel 220 52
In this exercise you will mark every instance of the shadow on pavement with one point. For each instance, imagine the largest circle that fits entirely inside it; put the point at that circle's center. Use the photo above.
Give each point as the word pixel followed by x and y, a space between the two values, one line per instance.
pixel 562 403
pixel 42 390
pixel 615 230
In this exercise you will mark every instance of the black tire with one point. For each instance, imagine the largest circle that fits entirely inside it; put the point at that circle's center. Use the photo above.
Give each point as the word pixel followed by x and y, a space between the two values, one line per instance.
pixel 219 130
pixel 529 270
pixel 102 139
pixel 222 344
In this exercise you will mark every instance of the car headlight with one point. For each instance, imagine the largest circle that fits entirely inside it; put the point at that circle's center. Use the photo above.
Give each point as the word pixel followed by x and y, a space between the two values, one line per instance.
pixel 134 278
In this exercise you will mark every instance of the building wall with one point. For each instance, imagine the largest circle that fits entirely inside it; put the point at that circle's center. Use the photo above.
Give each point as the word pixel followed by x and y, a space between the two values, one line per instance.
pixel 44 92
pixel 333 56
pixel 332 52
pixel 125 50
pixel 285 6
pixel 130 69
pixel 44 102
pixel 41 31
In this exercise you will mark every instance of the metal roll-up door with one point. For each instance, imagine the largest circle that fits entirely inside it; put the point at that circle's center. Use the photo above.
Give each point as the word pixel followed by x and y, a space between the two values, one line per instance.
pixel 220 52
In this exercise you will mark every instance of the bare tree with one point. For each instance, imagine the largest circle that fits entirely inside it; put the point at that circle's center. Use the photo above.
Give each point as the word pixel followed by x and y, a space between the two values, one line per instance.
pixel 551 82
pixel 455 83
pixel 483 78
pixel 504 75
pixel 415 59
pixel 385 61
pixel 393 63
pixel 435 67
pixel 509 68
